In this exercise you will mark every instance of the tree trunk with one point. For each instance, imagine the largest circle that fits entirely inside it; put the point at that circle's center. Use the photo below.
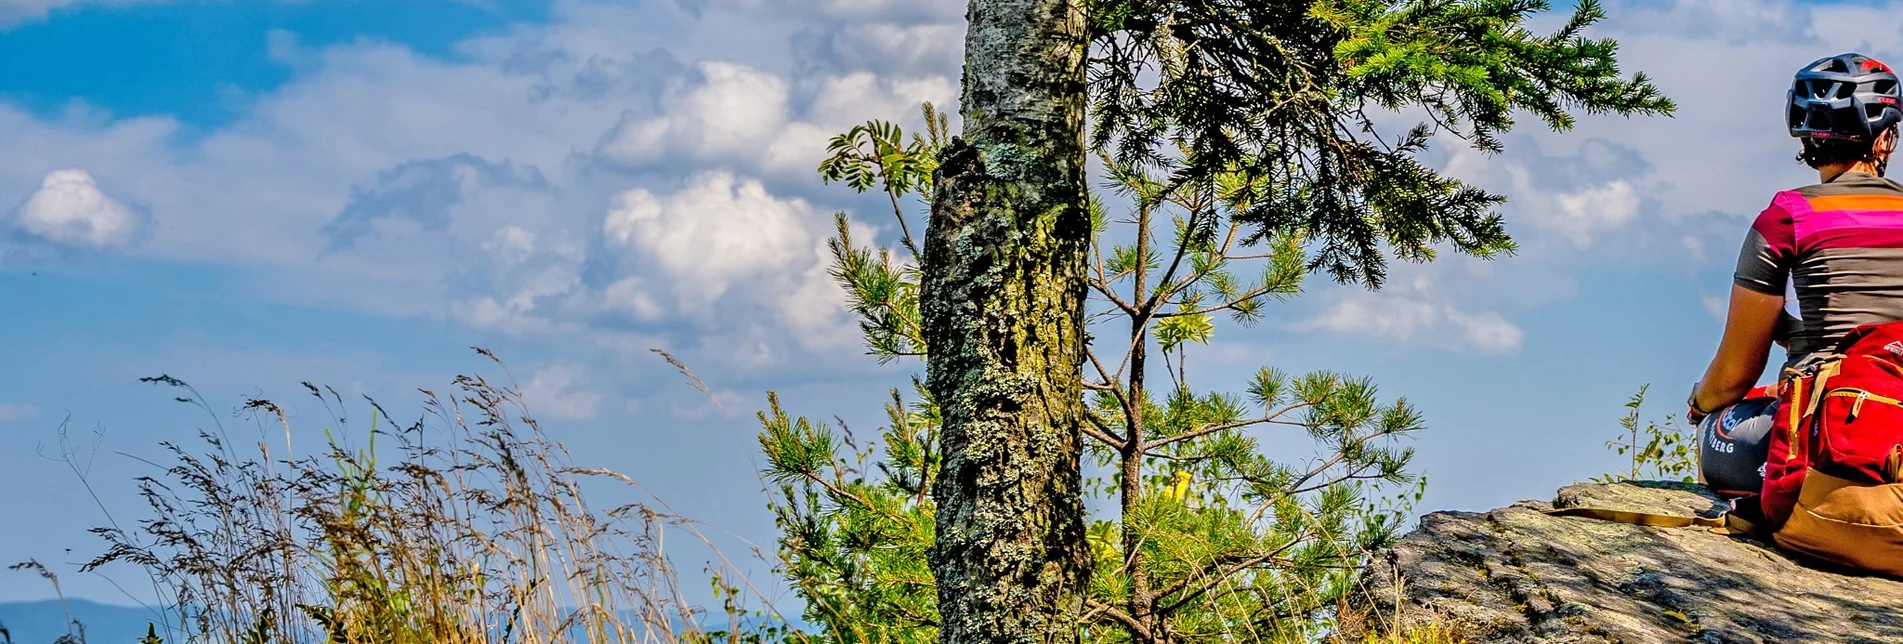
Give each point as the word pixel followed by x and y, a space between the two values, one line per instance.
pixel 1002 308
pixel 1136 423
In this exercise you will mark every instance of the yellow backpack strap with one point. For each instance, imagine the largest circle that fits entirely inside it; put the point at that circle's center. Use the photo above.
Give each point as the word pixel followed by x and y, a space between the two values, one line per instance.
pixel 1725 524
pixel 1822 385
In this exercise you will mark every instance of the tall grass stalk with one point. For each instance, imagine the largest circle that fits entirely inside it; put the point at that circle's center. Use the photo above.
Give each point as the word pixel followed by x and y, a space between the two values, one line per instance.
pixel 468 525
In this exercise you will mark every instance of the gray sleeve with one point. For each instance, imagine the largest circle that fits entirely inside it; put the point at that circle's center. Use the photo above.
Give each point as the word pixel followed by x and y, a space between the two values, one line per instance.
pixel 1761 266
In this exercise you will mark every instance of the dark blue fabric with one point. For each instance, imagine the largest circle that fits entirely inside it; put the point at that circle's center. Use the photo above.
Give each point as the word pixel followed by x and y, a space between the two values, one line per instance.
pixel 1732 446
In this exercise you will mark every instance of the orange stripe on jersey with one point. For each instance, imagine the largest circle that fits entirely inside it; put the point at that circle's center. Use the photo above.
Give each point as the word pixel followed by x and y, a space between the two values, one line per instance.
pixel 1857 202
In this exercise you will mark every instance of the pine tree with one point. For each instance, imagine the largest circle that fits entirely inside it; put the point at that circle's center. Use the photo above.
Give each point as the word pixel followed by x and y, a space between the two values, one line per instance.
pixel 1241 134
pixel 1206 519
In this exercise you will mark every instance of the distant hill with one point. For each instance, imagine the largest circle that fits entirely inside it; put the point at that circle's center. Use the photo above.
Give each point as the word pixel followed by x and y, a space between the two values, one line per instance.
pixel 41 622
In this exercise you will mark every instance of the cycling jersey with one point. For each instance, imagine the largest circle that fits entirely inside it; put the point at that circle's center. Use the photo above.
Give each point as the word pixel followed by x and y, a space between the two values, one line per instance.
pixel 1840 243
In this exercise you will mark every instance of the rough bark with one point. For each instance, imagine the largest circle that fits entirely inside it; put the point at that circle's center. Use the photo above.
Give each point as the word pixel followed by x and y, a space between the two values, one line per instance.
pixel 1002 309
pixel 1142 601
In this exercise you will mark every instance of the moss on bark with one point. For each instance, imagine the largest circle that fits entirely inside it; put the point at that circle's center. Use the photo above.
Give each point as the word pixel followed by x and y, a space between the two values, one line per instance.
pixel 1002 308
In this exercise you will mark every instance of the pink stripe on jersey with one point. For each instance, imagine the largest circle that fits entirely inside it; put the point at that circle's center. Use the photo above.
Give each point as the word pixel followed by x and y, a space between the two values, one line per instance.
pixel 1837 238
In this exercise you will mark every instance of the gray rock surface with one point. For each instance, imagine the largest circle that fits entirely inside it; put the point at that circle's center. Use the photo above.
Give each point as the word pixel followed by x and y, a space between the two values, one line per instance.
pixel 1517 575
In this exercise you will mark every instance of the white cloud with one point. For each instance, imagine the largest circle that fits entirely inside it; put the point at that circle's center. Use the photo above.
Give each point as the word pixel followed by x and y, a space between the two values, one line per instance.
pixel 1581 213
pixel 1412 320
pixel 531 277
pixel 716 231
pixel 742 115
pixel 70 209
pixel 1486 331
pixel 892 48
pixel 732 112
pixel 720 236
pixel 553 392
pixel 14 411
pixel 1421 307
pixel 842 101
pixel 633 296
pixel 816 305
pixel 511 244
pixel 1577 197
pixel 1730 21
pixel 472 188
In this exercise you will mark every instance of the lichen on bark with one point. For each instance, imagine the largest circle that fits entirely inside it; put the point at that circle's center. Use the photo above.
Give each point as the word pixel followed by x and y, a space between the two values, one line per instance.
pixel 1002 304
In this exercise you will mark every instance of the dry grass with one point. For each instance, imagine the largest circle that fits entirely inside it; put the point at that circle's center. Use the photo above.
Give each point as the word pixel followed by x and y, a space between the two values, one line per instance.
pixel 467 526
pixel 1407 623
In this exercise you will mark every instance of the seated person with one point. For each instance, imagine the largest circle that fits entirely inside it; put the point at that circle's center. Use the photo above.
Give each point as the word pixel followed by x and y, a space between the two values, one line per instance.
pixel 1845 110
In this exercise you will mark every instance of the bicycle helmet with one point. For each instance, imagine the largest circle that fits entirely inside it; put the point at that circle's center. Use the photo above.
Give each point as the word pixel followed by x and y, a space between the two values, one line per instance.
pixel 1849 97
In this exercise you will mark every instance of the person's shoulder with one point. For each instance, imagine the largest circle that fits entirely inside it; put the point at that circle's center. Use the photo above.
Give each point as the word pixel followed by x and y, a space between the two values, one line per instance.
pixel 1851 184
pixel 1778 219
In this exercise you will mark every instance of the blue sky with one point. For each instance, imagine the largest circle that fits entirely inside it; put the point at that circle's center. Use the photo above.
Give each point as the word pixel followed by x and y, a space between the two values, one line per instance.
pixel 251 194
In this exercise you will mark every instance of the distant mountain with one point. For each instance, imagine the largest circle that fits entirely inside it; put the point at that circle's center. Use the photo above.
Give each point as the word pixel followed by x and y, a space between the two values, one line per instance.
pixel 41 622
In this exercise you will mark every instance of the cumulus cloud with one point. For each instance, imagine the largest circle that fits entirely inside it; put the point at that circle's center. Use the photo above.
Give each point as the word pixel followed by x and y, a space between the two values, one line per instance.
pixel 738 114
pixel 1578 196
pixel 1580 213
pixel 525 284
pixel 69 209
pixel 724 242
pixel 717 230
pixel 885 48
pixel 555 391
pixel 479 187
pixel 547 178
pixel 729 112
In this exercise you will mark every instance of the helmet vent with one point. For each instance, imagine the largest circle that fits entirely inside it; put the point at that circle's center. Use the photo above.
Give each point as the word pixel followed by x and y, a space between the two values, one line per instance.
pixel 1833 65
pixel 1844 90
pixel 1885 86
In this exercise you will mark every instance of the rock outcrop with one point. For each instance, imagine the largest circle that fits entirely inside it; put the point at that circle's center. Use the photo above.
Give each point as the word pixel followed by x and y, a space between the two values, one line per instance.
pixel 1518 575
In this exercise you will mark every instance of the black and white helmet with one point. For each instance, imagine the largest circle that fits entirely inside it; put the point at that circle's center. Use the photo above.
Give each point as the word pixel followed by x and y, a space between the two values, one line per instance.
pixel 1850 97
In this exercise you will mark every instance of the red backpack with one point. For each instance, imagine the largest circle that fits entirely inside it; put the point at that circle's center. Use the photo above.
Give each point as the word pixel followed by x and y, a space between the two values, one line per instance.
pixel 1833 480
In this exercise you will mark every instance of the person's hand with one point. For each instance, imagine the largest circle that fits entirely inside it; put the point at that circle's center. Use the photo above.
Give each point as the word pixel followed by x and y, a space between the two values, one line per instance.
pixel 1693 414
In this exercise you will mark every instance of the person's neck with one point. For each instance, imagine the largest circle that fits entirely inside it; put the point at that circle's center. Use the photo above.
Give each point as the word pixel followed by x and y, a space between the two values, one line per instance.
pixel 1830 172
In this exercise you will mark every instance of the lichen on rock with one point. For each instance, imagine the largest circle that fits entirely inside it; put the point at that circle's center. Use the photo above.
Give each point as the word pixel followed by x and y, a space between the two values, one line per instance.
pixel 1516 574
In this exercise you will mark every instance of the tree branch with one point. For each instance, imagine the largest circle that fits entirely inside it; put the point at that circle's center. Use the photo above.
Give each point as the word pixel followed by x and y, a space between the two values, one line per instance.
pixel 1096 608
pixel 1209 577
pixel 1259 292
pixel 1175 263
pixel 1100 431
pixel 1211 429
pixel 1103 288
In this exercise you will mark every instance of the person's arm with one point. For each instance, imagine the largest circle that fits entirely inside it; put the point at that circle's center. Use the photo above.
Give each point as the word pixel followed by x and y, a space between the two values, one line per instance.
pixel 1749 325
pixel 1756 316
